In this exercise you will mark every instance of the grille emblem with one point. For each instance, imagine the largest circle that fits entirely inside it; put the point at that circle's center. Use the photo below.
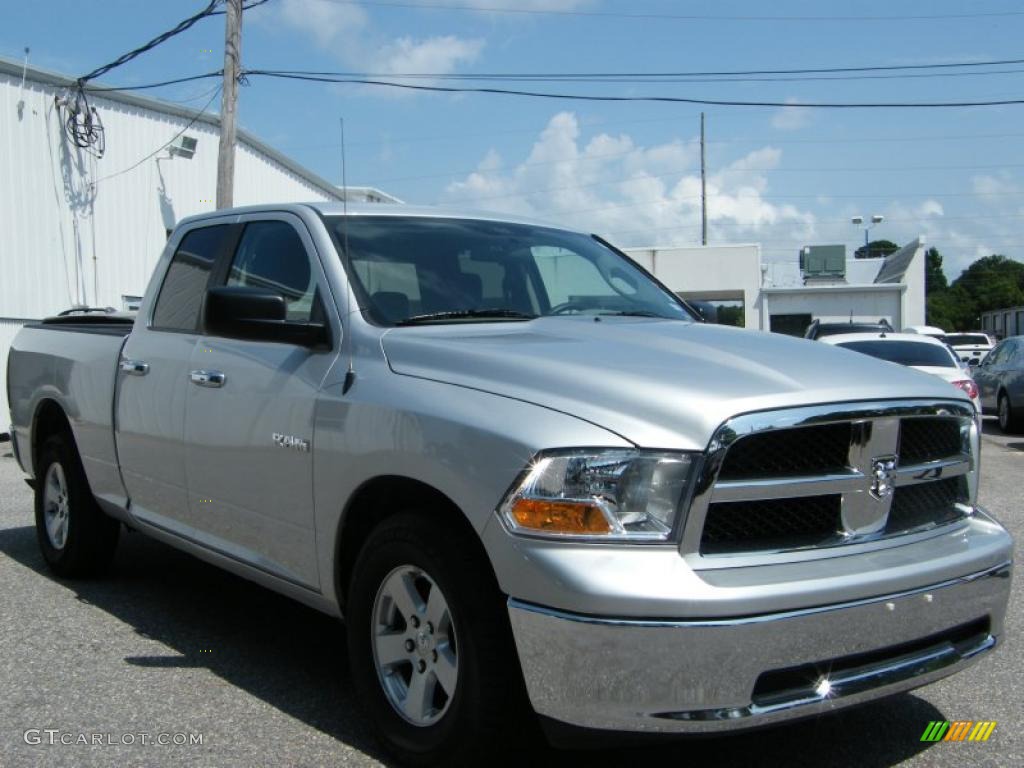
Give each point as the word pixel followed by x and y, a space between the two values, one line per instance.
pixel 883 475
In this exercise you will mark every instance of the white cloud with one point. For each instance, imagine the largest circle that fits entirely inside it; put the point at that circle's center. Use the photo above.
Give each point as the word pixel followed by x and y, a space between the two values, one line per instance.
pixel 435 54
pixel 346 31
pixel 791 118
pixel 637 195
pixel 329 24
pixel 526 5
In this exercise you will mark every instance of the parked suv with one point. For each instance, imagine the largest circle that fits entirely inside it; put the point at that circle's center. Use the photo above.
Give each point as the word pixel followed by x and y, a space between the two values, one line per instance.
pixel 970 347
pixel 817 329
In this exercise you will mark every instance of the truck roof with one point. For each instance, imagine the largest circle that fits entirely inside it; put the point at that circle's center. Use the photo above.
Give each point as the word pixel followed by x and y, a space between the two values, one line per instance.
pixel 382 209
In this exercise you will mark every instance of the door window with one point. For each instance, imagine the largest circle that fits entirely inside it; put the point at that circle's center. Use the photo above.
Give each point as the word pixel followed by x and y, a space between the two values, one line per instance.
pixel 1001 354
pixel 181 295
pixel 271 255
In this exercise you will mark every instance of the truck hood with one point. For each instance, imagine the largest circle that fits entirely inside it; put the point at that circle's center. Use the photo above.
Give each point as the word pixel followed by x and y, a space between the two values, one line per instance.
pixel 657 383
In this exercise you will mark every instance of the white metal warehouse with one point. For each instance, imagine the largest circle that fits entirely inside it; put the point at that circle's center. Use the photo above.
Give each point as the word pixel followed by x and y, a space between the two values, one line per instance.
pixel 85 231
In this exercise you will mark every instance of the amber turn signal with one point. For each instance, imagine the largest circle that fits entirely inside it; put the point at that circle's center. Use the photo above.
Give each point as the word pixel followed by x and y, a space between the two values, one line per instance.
pixel 559 516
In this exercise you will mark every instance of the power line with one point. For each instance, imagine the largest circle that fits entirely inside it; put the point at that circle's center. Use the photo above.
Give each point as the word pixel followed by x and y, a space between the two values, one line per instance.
pixel 245 7
pixel 161 38
pixel 156 151
pixel 705 73
pixel 147 86
pixel 670 16
pixel 720 76
pixel 646 79
pixel 614 98
pixel 722 171
pixel 414 139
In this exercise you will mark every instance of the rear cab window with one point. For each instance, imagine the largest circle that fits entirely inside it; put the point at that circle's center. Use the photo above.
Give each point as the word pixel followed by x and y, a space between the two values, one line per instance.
pixel 180 300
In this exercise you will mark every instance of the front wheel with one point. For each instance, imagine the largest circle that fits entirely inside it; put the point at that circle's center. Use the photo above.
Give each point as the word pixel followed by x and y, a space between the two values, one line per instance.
pixel 429 643
pixel 1010 420
pixel 75 537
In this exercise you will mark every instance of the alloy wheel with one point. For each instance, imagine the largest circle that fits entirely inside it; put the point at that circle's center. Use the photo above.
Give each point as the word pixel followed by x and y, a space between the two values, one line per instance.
pixel 56 509
pixel 414 645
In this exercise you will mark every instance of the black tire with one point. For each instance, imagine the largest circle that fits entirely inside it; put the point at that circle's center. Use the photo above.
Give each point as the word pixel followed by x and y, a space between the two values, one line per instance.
pixel 89 535
pixel 485 708
pixel 1011 419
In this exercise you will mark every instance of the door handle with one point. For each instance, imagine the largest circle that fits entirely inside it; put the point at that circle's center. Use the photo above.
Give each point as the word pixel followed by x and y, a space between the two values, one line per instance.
pixel 134 367
pixel 208 378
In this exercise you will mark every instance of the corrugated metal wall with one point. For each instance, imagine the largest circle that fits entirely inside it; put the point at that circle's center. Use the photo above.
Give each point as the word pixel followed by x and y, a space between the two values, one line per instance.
pixel 77 230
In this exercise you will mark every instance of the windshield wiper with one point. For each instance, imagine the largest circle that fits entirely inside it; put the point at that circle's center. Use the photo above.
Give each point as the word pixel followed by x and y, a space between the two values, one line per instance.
pixel 466 314
pixel 635 313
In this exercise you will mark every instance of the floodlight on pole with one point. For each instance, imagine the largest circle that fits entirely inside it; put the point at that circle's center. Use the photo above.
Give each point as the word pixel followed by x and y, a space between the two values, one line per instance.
pixel 859 221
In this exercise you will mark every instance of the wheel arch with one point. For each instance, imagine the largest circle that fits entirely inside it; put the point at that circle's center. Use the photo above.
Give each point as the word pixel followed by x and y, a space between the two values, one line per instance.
pixel 48 420
pixel 381 497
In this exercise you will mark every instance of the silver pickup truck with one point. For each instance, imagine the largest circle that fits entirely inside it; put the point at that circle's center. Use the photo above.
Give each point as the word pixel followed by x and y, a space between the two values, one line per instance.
pixel 523 471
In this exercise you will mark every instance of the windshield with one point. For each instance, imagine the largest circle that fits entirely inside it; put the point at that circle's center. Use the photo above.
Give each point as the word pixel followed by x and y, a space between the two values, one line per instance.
pixel 905 352
pixel 419 269
pixel 967 339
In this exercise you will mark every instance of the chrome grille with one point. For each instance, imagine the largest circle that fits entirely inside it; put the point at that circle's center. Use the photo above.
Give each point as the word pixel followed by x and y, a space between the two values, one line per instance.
pixel 773 454
pixel 917 505
pixel 743 526
pixel 928 439
pixel 817 477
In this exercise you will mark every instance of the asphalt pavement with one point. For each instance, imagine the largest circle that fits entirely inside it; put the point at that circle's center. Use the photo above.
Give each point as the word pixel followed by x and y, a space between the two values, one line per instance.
pixel 168 648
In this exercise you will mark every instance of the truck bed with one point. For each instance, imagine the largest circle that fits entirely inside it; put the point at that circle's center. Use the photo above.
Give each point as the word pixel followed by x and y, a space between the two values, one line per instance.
pixel 71 360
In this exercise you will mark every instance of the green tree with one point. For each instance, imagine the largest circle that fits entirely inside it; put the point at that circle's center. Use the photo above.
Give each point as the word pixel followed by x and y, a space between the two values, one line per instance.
pixel 991 282
pixel 934 278
pixel 731 316
pixel 876 249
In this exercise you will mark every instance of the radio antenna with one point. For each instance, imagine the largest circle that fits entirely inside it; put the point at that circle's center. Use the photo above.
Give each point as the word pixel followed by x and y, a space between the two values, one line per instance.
pixel 350 374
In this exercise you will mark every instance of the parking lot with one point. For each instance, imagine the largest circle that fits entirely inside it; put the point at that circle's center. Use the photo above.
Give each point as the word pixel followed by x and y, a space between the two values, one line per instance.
pixel 167 645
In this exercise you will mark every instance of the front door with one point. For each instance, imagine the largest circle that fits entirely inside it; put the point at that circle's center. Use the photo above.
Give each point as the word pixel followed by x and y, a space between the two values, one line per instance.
pixel 250 413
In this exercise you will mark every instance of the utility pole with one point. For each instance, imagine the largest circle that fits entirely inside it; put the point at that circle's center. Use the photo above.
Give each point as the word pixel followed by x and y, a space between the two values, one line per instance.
pixel 229 104
pixel 703 189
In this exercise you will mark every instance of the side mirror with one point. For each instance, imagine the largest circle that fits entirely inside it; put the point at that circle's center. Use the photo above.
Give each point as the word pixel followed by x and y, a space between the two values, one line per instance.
pixel 257 314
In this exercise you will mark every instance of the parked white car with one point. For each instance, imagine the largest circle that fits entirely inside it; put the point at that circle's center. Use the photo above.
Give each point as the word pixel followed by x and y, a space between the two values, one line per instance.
pixel 970 347
pixel 915 351
pixel 926 330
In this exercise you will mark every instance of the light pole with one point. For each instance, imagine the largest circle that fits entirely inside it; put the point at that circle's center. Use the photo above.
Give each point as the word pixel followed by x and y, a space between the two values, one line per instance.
pixel 859 221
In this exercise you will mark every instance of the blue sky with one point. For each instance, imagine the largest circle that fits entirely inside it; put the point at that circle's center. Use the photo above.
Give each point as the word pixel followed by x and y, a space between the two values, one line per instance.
pixel 781 177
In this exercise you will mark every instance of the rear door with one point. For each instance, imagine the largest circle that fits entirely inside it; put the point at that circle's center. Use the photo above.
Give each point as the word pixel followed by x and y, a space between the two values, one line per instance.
pixel 250 412
pixel 153 381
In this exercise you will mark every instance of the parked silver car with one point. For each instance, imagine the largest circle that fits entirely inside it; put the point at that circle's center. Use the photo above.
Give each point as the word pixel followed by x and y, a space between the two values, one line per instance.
pixel 1000 379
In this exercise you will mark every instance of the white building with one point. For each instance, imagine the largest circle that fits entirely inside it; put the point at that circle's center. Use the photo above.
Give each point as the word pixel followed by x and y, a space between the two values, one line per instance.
pixel 784 298
pixel 81 230
pixel 365 195
pixel 1001 323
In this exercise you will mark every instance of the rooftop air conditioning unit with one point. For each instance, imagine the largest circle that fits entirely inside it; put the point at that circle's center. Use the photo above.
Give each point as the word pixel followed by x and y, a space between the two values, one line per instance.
pixel 823 261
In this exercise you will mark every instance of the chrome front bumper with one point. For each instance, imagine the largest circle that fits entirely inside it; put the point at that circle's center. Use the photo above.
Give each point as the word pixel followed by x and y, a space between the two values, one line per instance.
pixel 727 674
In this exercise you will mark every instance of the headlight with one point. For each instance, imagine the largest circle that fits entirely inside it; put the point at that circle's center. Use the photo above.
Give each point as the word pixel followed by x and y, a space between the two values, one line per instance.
pixel 609 494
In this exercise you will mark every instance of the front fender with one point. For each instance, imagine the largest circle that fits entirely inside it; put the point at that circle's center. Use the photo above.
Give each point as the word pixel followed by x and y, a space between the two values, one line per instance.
pixel 466 444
